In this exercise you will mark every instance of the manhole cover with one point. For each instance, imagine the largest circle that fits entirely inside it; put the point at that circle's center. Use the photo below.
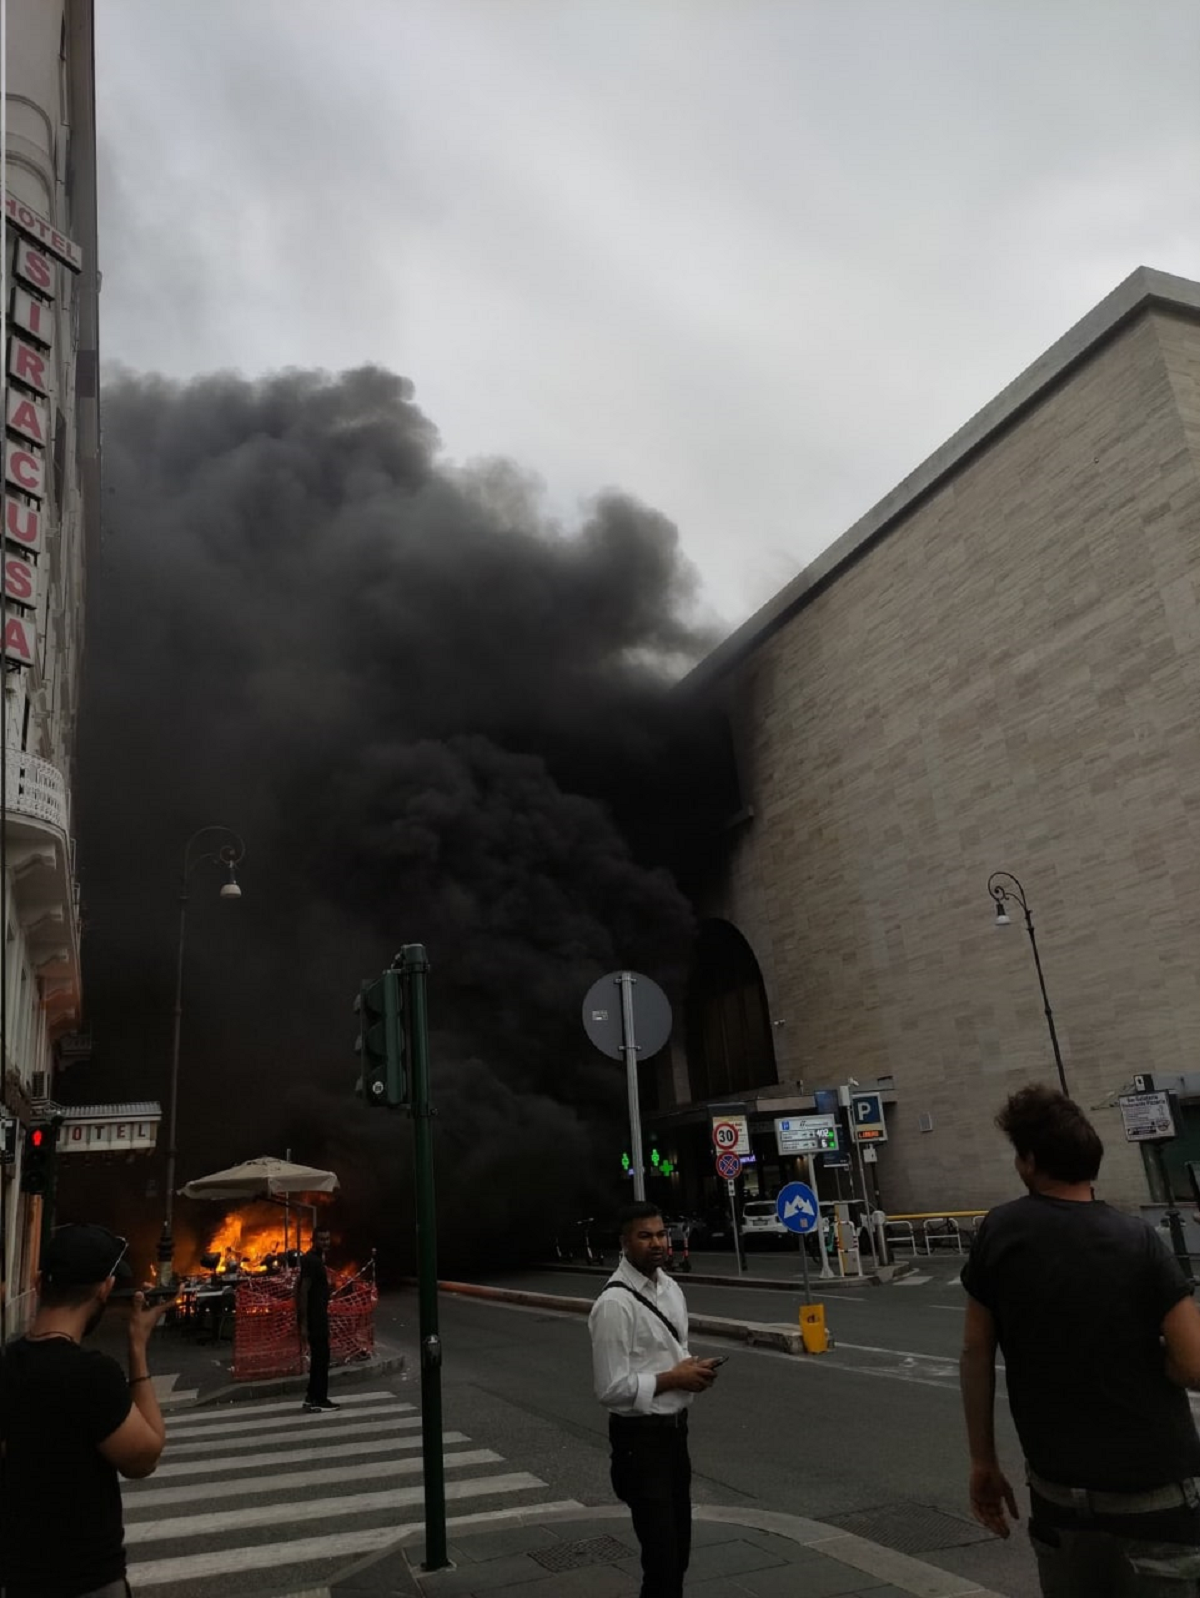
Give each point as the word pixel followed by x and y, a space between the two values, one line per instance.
pixel 911 1528
pixel 574 1556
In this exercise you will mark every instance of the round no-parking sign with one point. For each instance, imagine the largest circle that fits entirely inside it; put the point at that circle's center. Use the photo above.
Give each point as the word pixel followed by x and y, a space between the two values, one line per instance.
pixel 729 1166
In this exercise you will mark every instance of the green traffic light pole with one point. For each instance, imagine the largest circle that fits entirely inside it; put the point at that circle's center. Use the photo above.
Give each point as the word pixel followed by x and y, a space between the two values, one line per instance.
pixel 414 966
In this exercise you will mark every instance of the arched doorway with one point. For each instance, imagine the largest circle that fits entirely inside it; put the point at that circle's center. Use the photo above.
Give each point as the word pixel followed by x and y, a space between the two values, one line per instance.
pixel 730 1046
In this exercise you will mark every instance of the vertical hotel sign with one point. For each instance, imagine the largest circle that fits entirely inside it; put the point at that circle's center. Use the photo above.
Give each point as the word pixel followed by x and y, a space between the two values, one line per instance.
pixel 36 249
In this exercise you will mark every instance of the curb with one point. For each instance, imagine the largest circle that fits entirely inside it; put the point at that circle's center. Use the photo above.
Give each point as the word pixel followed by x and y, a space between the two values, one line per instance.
pixel 757 1334
pixel 285 1386
pixel 885 1565
pixel 877 1278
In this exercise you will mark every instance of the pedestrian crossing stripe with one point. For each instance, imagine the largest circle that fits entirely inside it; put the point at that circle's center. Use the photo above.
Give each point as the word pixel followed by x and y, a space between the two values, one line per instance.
pixel 250 1474
pixel 318 1429
pixel 224 1521
pixel 216 1417
pixel 327 1476
pixel 291 1456
pixel 191 1430
pixel 309 1550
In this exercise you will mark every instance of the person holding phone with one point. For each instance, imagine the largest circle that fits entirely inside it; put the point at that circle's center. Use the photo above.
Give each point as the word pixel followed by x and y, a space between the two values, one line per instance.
pixel 71 1422
pixel 646 1379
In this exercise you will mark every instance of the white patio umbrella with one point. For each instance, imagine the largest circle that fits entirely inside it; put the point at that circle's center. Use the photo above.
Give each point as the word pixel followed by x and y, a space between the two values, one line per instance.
pixel 261 1178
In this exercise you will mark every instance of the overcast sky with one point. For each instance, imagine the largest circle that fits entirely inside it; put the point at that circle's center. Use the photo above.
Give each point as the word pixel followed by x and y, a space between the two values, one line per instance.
pixel 750 260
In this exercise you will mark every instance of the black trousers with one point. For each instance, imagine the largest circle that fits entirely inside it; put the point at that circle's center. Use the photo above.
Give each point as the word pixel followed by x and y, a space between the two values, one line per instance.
pixel 652 1473
pixel 318 1365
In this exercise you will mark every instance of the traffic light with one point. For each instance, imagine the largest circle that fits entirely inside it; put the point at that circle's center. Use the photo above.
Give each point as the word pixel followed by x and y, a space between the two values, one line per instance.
pixel 380 1044
pixel 36 1160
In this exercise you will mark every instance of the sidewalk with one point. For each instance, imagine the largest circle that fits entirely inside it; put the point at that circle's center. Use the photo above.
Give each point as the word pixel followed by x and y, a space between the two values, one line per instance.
pixel 573 1552
pixel 773 1270
pixel 187 1372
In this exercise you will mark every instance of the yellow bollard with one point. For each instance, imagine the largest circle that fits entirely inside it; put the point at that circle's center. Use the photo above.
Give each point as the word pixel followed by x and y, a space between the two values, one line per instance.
pixel 812 1328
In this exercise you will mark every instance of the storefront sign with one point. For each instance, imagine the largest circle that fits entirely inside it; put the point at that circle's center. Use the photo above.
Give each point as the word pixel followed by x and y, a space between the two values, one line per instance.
pixel 42 230
pixel 20 580
pixel 28 416
pixel 23 524
pixel 19 640
pixel 106 1137
pixel 24 468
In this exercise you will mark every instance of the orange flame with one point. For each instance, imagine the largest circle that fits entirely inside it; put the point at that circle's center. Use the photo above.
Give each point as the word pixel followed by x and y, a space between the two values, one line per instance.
pixel 249 1234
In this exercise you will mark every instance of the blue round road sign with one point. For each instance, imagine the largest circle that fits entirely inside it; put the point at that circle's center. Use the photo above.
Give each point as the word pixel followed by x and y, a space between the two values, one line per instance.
pixel 797 1207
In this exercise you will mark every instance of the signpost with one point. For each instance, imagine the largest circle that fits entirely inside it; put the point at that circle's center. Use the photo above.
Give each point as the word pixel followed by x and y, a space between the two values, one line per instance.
pixel 864 1111
pixel 731 1134
pixel 627 1015
pixel 866 1118
pixel 726 1134
pixel 807 1134
pixel 1149 1117
pixel 798 1210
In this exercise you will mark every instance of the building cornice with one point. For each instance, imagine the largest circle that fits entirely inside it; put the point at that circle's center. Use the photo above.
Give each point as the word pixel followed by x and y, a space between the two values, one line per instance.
pixel 1142 291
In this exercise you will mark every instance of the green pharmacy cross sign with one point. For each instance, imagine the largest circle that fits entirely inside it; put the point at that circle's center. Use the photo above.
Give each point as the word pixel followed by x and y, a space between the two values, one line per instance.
pixel 660 1164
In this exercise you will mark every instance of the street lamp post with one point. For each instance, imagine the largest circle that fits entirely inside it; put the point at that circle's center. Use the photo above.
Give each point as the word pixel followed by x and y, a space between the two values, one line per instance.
pixel 228 854
pixel 1016 893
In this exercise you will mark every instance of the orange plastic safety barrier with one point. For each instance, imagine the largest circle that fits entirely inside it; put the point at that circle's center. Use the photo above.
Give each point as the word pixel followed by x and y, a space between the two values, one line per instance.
pixel 266 1341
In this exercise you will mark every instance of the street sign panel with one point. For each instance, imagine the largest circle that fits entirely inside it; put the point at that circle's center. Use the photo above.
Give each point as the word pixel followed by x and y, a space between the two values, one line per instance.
pixel 1148 1117
pixel 807 1134
pixel 8 1140
pixel 731 1135
pixel 866 1118
pixel 836 1162
pixel 797 1207
pixel 729 1166
pixel 651 1015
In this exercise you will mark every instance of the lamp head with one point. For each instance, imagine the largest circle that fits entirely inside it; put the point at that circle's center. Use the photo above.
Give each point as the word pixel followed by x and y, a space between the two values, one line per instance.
pixel 230 889
pixel 1002 919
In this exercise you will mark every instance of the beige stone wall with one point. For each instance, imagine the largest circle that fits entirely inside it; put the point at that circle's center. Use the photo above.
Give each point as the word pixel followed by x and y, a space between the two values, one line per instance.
pixel 1009 680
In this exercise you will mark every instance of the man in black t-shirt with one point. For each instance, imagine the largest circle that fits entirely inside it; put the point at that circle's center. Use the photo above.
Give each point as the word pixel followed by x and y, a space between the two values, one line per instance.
pixel 312 1320
pixel 71 1421
pixel 1100 1336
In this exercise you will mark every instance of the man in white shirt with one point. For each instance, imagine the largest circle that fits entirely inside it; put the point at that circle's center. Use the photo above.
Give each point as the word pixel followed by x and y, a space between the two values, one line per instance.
pixel 645 1378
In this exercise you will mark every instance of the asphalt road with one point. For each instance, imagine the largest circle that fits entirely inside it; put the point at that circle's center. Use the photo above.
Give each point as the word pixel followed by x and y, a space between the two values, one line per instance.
pixel 870 1430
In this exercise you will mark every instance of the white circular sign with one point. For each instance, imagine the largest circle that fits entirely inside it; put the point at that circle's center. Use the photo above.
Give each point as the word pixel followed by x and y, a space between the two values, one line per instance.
pixel 726 1136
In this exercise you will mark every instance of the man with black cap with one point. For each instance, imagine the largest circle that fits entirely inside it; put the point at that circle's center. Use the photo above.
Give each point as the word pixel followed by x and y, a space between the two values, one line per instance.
pixel 71 1421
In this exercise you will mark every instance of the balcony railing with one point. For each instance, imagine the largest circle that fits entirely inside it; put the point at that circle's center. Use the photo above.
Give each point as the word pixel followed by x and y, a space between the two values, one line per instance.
pixel 36 789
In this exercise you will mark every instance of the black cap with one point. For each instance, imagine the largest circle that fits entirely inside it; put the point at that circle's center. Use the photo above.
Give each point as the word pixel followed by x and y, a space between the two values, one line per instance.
pixel 84 1256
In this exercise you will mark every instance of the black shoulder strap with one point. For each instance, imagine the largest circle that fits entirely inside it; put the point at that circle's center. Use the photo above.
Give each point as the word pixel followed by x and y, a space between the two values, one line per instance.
pixel 653 1308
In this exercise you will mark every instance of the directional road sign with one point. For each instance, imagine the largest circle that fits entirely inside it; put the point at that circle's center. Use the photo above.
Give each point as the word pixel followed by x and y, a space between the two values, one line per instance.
pixel 797 1207
pixel 729 1166
pixel 866 1118
pixel 807 1134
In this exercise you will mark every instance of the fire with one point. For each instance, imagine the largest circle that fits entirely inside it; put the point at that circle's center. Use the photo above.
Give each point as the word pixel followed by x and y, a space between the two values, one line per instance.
pixel 252 1232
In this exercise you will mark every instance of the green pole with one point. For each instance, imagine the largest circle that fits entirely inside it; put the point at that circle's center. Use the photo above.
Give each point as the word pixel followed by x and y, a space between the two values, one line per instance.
pixel 413 969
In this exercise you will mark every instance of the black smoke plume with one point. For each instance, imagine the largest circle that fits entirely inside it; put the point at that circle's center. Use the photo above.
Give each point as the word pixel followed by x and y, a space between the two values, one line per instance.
pixel 433 716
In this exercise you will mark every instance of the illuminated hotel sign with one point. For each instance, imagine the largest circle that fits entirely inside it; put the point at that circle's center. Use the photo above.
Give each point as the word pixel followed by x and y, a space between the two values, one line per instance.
pixel 37 249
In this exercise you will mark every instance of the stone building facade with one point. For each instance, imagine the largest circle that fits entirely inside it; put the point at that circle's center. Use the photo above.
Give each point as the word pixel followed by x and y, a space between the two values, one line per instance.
pixel 50 516
pixel 998 668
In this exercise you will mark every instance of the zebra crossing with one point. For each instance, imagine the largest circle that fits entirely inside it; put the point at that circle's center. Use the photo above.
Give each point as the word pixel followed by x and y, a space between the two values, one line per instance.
pixel 266 1488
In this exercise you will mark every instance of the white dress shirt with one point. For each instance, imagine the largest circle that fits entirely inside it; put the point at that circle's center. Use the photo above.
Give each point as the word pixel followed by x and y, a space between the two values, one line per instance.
pixel 631 1346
